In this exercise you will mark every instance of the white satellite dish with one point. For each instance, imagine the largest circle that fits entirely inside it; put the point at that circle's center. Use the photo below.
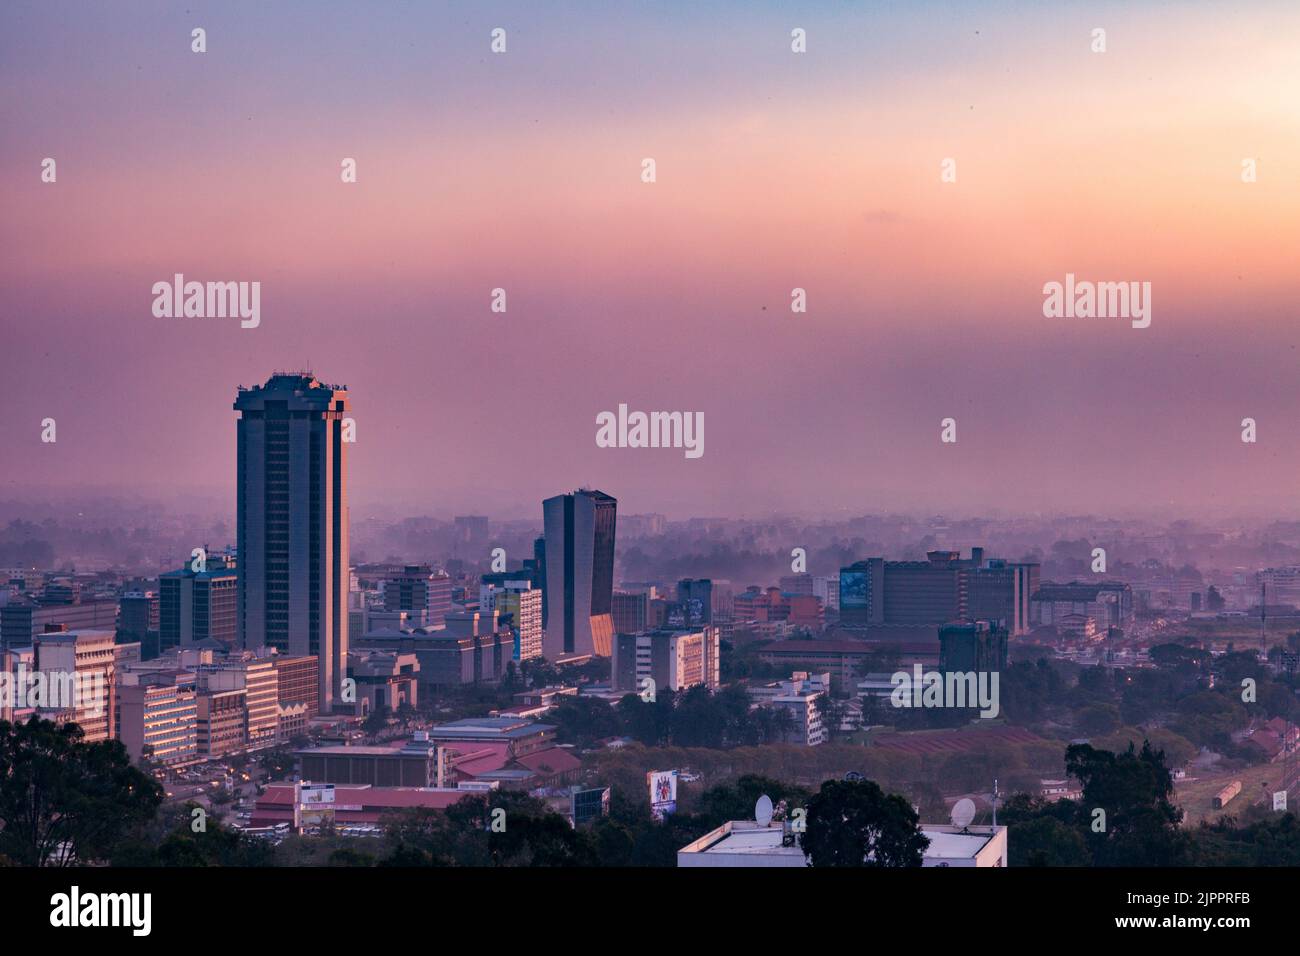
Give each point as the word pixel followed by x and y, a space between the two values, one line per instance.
pixel 763 810
pixel 963 812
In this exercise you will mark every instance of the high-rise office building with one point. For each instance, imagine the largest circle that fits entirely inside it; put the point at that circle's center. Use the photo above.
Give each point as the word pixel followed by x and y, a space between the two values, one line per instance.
pixel 196 606
pixel 523 604
pixel 579 532
pixel 1000 591
pixel 297 684
pixel 471 530
pixel 674 658
pixel 259 681
pixel 293 522
pixel 694 606
pixel 973 646
pixel 418 588
pixel 23 621
pixel 537 565
pixel 944 587
pixel 137 615
pixel 157 718
pixel 631 611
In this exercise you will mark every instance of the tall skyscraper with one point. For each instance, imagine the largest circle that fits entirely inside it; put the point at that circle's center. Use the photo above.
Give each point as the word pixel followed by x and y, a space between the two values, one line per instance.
pixel 293 522
pixel 579 531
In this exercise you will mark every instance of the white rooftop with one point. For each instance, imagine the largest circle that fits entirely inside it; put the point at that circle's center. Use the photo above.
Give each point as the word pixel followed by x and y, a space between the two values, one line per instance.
pixel 754 845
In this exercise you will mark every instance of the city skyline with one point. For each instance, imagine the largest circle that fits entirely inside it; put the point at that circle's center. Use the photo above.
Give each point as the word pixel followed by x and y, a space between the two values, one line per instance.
pixel 358 524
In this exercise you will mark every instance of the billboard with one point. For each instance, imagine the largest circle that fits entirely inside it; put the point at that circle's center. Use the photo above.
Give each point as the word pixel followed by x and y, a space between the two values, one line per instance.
pixel 663 792
pixel 692 612
pixel 313 805
pixel 314 793
pixel 853 589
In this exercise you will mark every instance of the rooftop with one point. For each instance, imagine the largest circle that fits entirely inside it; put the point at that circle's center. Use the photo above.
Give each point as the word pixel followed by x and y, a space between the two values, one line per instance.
pixel 748 838
pixel 490 727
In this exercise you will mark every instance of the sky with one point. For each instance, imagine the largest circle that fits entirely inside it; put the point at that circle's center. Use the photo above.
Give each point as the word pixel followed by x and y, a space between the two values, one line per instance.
pixel 774 171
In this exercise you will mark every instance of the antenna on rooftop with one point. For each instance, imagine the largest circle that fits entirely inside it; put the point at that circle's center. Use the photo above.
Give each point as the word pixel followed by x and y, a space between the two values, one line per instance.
pixel 763 810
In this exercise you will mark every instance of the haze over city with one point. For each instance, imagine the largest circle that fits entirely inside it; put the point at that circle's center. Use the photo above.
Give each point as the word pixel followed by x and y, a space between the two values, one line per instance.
pixel 774 172
pixel 627 437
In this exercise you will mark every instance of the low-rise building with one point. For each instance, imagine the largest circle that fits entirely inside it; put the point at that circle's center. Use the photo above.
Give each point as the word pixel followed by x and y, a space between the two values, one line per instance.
pixel 385 680
pixel 674 659
pixel 418 763
pixel 749 843
pixel 800 697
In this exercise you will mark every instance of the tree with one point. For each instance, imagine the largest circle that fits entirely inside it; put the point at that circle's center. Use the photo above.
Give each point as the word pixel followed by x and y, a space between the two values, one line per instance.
pixel 1046 841
pixel 735 801
pixel 376 721
pixel 855 823
pixel 467 834
pixel 64 801
pixel 214 845
pixel 1133 789
pixel 584 720
pixel 1097 719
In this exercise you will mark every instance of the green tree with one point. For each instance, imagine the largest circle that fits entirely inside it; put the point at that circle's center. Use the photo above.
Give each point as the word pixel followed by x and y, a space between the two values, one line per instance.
pixel 1133 789
pixel 735 801
pixel 213 845
pixel 855 823
pixel 1046 841
pixel 64 801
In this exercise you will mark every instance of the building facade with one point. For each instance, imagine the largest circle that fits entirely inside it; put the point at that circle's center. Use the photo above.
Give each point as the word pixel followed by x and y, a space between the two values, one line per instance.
pixel 293 522
pixel 580 530
pixel 88 658
pixel 196 606
pixel 674 659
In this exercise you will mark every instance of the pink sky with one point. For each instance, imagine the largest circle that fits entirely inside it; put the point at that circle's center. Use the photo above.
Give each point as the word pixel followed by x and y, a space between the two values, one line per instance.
pixel 775 170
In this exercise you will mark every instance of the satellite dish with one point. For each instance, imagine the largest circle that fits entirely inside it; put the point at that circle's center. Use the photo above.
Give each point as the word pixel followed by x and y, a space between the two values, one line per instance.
pixel 763 810
pixel 963 812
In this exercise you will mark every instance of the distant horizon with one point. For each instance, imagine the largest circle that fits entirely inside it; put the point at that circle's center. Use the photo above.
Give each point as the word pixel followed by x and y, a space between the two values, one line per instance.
pixel 778 174
pixel 378 503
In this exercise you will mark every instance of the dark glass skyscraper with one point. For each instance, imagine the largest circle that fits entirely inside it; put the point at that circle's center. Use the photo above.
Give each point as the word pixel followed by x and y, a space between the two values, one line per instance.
pixel 579 580
pixel 293 522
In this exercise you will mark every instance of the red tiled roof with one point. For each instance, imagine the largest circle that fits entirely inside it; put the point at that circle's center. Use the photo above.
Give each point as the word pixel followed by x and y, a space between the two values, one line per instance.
pixel 277 798
pixel 551 760
pixel 482 759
